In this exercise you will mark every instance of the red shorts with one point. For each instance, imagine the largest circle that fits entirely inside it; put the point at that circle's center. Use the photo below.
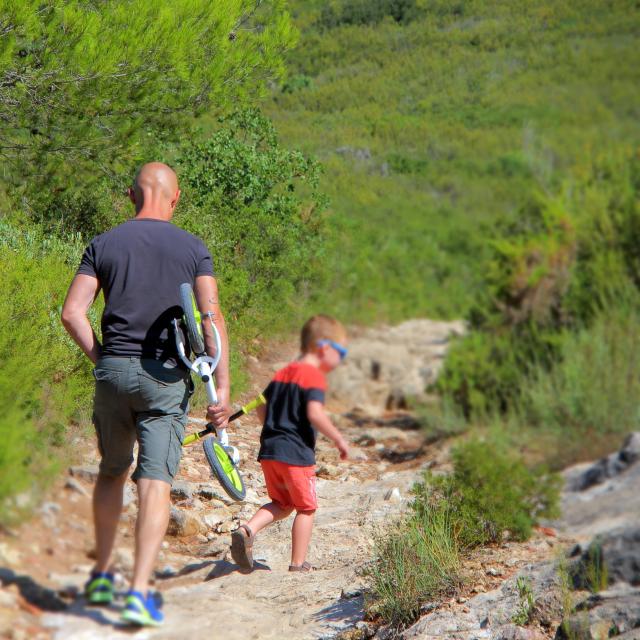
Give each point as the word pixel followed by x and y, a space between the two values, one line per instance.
pixel 290 486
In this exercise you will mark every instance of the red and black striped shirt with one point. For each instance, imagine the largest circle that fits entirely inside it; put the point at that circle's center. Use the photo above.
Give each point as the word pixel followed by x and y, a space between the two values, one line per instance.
pixel 287 434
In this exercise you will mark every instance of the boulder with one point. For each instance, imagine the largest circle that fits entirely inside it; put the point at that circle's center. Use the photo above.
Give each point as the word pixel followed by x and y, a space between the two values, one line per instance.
pixel 387 367
pixel 618 550
pixel 184 523
pixel 608 467
pixel 85 472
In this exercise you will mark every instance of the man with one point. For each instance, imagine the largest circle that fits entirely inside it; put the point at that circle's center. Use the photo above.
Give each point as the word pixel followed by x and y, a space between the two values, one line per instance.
pixel 142 390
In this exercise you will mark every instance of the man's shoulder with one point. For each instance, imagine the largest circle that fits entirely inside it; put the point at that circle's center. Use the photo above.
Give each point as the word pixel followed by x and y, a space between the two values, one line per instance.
pixel 159 228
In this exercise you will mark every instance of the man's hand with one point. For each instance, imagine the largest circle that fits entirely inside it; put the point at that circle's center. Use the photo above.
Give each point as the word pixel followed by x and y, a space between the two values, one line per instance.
pixel 218 414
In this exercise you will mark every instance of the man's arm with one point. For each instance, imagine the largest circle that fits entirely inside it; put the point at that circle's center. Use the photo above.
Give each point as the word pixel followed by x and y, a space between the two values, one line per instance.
pixel 206 292
pixel 83 291
pixel 320 420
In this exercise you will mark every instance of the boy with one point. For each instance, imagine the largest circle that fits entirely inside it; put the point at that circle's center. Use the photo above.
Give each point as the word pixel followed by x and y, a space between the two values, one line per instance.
pixel 295 405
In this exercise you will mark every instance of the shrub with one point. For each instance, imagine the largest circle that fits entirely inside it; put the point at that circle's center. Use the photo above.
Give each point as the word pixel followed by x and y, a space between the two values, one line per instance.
pixel 549 274
pixel 490 491
pixel 255 205
pixel 365 12
pixel 593 393
pixel 415 561
pixel 44 379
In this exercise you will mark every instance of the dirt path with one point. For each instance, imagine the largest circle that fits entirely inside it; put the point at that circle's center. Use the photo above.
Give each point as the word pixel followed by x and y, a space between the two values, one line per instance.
pixel 45 562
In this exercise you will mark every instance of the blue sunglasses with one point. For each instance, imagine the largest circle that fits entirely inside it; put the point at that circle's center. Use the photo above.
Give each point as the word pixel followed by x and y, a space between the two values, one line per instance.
pixel 338 347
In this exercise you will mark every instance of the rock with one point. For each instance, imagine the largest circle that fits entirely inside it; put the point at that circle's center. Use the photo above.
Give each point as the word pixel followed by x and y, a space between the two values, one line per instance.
pixel 616 608
pixel 124 559
pixel 181 490
pixel 168 571
pixel 227 527
pixel 365 440
pixel 393 495
pixel 129 495
pixel 214 549
pixel 49 512
pixel 492 571
pixel 608 467
pixel 208 492
pixel 366 629
pixel 8 555
pixel 252 497
pixel 328 471
pixel 73 485
pixel 618 550
pixel 8 599
pixel 184 524
pixel 388 366
pixel 86 472
pixel 216 516
pixel 513 632
pixel 357 454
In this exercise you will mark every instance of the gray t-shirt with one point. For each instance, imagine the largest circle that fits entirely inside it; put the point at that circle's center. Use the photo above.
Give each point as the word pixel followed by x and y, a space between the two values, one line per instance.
pixel 140 265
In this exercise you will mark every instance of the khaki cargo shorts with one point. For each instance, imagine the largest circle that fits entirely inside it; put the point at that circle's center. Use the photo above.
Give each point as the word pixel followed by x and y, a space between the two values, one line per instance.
pixel 144 400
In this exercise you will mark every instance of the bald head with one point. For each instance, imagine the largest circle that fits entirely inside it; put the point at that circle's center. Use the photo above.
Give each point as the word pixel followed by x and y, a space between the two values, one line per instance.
pixel 155 191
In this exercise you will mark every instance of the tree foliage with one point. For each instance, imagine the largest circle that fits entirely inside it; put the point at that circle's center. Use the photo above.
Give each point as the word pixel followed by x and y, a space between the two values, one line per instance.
pixel 256 206
pixel 87 85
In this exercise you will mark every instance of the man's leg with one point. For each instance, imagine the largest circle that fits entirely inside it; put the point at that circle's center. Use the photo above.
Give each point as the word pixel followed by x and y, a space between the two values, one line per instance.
pixel 301 536
pixel 107 507
pixel 151 525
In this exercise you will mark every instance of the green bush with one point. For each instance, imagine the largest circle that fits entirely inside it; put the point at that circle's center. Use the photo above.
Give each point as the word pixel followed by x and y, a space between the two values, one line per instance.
pixel 416 560
pixel 366 12
pixel 549 274
pixel 591 397
pixel 490 491
pixel 44 379
pixel 256 206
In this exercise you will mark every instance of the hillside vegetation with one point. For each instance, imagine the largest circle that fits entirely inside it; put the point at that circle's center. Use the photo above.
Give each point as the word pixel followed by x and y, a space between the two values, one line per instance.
pixel 433 120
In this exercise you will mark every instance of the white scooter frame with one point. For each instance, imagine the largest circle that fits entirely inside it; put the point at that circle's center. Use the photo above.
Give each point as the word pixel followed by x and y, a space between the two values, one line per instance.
pixel 204 366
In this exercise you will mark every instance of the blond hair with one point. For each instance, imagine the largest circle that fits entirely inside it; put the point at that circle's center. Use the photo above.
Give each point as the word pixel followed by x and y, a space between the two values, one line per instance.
pixel 321 327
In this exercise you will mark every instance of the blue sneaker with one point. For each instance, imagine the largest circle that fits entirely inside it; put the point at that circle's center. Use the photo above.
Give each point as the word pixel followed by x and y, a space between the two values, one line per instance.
pixel 141 611
pixel 99 588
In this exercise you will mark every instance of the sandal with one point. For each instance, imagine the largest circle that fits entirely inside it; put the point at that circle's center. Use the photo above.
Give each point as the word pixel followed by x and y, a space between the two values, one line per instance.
pixel 241 547
pixel 305 566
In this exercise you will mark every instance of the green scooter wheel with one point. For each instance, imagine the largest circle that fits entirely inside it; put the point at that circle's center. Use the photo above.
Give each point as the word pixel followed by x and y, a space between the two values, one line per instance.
pixel 224 469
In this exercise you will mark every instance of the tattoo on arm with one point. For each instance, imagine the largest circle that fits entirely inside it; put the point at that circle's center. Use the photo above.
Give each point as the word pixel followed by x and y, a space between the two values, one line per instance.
pixel 213 300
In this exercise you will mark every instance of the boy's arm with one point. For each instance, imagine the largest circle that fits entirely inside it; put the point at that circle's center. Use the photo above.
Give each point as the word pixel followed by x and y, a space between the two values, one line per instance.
pixel 262 412
pixel 321 421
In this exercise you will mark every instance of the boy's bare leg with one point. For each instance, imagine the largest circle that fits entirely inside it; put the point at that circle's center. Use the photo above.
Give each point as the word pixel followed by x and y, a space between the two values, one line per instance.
pixel 151 525
pixel 265 515
pixel 301 536
pixel 107 507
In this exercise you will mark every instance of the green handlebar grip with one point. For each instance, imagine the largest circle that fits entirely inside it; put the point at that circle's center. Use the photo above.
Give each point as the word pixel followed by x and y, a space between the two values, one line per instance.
pixel 254 404
pixel 192 437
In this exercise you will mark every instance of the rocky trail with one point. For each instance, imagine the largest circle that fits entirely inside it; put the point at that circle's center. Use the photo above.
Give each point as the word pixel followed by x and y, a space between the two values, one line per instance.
pixel 44 563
